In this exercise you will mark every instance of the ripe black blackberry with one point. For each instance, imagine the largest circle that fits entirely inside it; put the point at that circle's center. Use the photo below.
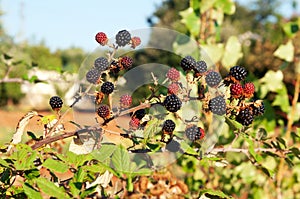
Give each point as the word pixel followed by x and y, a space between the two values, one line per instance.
pixel 92 76
pixel 56 102
pixel 139 114
pixel 194 133
pixel 168 126
pixel 107 88
pixel 235 75
pixel 217 105
pixel 101 64
pixel 200 67
pixel 258 108
pixel 123 38
pixel 213 78
pixel 172 103
pixel 103 111
pixel 245 116
pixel 173 146
pixel 188 63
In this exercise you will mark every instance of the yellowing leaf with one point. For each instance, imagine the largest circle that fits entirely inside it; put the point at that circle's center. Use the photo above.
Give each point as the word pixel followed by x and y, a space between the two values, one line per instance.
pixel 214 51
pixel 232 53
pixel 285 51
pixel 191 20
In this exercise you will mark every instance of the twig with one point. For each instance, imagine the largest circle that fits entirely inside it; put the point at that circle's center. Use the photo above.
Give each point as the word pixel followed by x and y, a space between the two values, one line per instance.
pixel 12 80
pixel 246 151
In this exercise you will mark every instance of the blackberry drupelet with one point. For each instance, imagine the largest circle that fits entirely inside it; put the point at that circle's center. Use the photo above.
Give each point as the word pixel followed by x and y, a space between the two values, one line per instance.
pixel 123 38
pixel 213 78
pixel 194 133
pixel 168 126
pixel 172 103
pixel 92 76
pixel 55 102
pixel 217 105
pixel 107 88
pixel 101 64
pixel 188 63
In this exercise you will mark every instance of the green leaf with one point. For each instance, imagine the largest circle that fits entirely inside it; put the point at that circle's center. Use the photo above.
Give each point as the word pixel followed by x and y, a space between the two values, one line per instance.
pixel 104 152
pixel 31 135
pixel 79 175
pixel 205 5
pixel 48 118
pixel 234 125
pixel 282 99
pixel 75 188
pixel 272 81
pixel 191 20
pixel 77 159
pixel 281 140
pixel 55 165
pixel 188 149
pixel 232 53
pixel 184 46
pixel 214 51
pixel 3 163
pixel 151 130
pixel 31 193
pixel 213 193
pixel 255 155
pixel 285 51
pixel 121 160
pixel 227 6
pixel 296 152
pixel 50 188
pixel 291 28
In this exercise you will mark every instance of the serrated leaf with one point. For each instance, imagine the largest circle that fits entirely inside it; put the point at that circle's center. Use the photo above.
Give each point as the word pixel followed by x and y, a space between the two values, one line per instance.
pixel 104 152
pixel 213 193
pixel 285 51
pixel 232 53
pixel 31 193
pixel 77 159
pixel 56 165
pixel 234 125
pixel 121 160
pixel 50 188
pixel 191 20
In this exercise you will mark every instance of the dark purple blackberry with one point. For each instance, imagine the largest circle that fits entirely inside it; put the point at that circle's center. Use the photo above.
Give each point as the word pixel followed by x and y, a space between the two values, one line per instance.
pixel 172 103
pixel 200 67
pixel 103 111
pixel 92 76
pixel 245 117
pixel 173 146
pixel 107 88
pixel 194 133
pixel 217 105
pixel 101 64
pixel 213 78
pixel 55 102
pixel 168 126
pixel 258 108
pixel 139 114
pixel 238 72
pixel 123 38
pixel 126 62
pixel 188 63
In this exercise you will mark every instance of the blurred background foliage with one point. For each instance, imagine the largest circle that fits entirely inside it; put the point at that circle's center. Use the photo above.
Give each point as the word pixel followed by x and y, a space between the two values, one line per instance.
pixel 255 36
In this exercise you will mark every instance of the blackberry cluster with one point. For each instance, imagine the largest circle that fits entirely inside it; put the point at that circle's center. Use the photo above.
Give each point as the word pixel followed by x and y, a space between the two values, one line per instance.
pixel 172 103
pixel 213 78
pixel 217 105
pixel 93 75
pixel 194 133
pixel 101 64
pixel 168 126
pixel 123 38
pixel 200 67
pixel 188 63
pixel 56 102
pixel 107 88
pixel 103 111
pixel 245 116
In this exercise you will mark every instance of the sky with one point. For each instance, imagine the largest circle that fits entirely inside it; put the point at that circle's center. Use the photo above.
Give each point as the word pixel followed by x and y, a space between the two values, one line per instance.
pixel 65 23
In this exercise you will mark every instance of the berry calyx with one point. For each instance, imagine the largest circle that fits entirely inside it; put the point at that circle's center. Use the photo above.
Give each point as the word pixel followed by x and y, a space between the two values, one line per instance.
pixel 107 88
pixel 194 133
pixel 173 74
pixel 135 41
pixel 213 78
pixel 126 62
pixel 101 64
pixel 125 101
pixel 236 90
pixel 217 105
pixel 104 112
pixel 172 103
pixel 173 88
pixel 134 123
pixel 168 126
pixel 56 103
pixel 188 63
pixel 101 38
pixel 249 89
pixel 123 38
pixel 93 75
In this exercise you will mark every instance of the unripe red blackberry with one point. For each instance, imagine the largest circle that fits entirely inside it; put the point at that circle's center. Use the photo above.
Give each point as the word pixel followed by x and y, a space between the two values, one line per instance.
pixel 135 41
pixel 236 90
pixel 173 74
pixel 126 62
pixel 213 78
pixel 188 63
pixel 172 103
pixel 93 75
pixel 104 112
pixel 101 64
pixel 56 103
pixel 125 100
pixel 249 90
pixel 168 126
pixel 134 123
pixel 200 67
pixel 123 38
pixel 173 88
pixel 107 88
pixel 194 133
pixel 217 105
pixel 101 38
pixel 245 116
pixel 173 146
